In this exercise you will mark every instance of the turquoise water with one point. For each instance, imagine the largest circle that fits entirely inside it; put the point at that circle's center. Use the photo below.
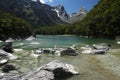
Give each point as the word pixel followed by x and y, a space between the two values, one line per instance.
pixel 58 40
pixel 26 62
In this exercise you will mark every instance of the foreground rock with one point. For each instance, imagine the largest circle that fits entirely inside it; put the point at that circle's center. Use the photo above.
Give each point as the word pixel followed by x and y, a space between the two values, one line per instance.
pixel 51 71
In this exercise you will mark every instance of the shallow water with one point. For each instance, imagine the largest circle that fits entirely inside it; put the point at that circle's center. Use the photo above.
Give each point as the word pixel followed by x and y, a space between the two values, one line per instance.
pixel 26 62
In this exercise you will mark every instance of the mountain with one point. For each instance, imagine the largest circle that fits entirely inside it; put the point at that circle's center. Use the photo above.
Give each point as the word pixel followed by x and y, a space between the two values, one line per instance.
pixel 34 12
pixel 70 18
pixel 102 21
pixel 75 17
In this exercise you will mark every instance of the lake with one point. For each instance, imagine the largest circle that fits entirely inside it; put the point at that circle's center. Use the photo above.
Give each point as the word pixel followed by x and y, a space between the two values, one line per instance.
pixel 58 40
pixel 26 62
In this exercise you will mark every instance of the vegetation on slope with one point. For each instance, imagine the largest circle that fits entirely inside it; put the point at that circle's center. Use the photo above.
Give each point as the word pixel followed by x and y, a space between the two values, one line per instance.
pixel 14 27
pixel 102 21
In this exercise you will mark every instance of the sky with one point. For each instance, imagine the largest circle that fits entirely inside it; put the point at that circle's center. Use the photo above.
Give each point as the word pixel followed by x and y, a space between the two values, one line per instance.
pixel 72 6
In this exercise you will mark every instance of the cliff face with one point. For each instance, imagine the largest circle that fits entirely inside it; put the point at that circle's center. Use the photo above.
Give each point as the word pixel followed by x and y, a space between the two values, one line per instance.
pixel 34 12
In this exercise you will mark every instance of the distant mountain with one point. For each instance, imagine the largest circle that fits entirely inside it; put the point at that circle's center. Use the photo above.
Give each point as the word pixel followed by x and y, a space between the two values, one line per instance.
pixel 75 17
pixel 70 18
pixel 34 12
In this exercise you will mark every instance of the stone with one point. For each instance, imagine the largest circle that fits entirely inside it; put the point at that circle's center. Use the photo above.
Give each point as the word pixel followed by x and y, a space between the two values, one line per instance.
pixel 8 47
pixel 69 51
pixel 8 68
pixel 51 71
pixel 9 40
pixel 56 64
pixel 39 75
pixel 3 62
pixel 102 46
pixel 30 38
pixel 7 55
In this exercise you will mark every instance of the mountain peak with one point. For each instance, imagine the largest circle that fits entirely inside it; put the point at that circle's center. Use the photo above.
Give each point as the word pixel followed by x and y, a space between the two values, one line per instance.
pixel 83 10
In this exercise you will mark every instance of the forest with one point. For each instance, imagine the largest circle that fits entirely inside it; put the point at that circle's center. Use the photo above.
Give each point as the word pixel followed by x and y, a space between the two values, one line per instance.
pixel 14 27
pixel 102 21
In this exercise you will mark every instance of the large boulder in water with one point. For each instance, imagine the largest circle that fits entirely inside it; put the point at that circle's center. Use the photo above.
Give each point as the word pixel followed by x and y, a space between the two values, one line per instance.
pixel 8 47
pixel 51 71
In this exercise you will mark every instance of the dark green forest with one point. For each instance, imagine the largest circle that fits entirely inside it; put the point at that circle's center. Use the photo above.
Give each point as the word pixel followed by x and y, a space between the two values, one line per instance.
pixel 14 27
pixel 102 21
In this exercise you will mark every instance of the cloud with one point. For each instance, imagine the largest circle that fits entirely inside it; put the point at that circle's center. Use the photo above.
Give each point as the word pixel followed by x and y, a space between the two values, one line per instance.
pixel 46 1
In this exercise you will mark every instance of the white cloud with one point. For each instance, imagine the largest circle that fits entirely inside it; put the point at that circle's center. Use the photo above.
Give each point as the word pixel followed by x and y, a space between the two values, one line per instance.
pixel 46 1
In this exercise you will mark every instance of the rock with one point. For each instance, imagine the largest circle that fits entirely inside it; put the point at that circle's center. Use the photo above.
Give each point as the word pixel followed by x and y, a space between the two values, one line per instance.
pixel 9 40
pixel 8 47
pixel 8 55
pixel 39 51
pixel 87 51
pixel 3 62
pixel 51 71
pixel 98 51
pixel 30 38
pixel 8 68
pixel 56 64
pixel 101 46
pixel 39 75
pixel 69 51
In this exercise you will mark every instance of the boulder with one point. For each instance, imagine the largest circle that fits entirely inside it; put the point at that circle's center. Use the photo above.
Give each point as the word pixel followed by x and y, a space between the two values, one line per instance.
pixel 30 38
pixel 8 68
pixel 3 62
pixel 7 55
pixel 102 46
pixel 98 51
pixel 51 71
pixel 39 75
pixel 9 40
pixel 58 65
pixel 69 51
pixel 8 47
